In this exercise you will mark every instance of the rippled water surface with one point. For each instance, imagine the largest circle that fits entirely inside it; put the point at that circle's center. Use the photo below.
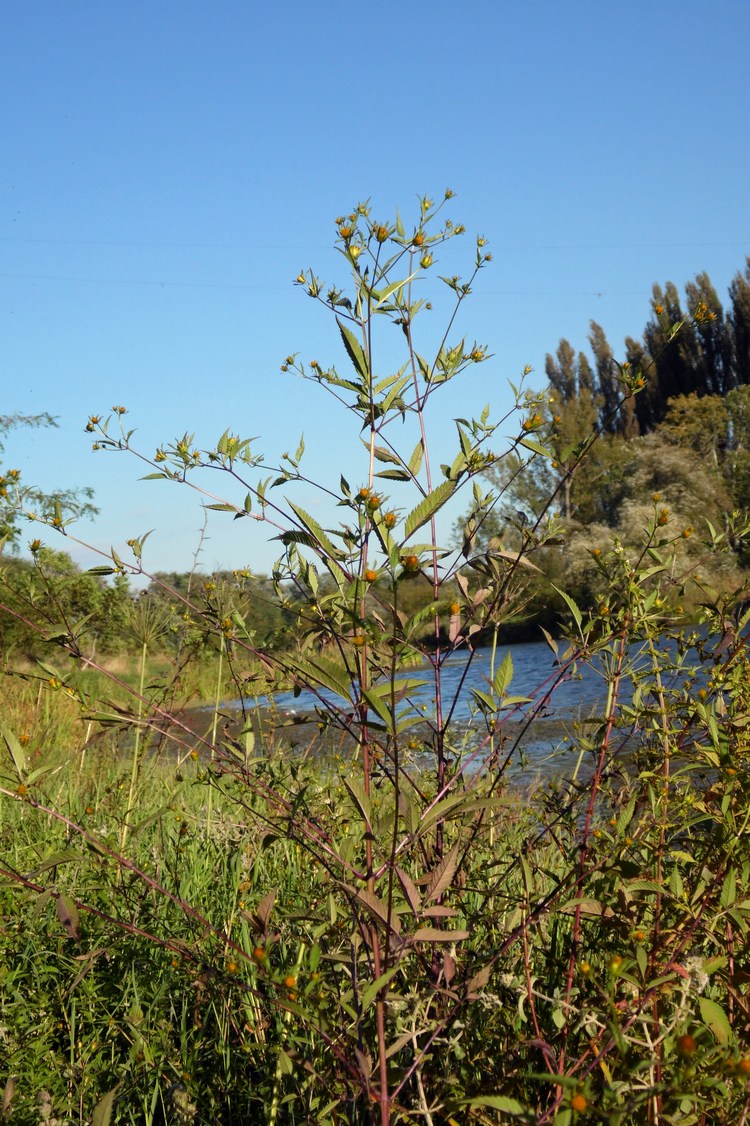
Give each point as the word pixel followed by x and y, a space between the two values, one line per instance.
pixel 536 675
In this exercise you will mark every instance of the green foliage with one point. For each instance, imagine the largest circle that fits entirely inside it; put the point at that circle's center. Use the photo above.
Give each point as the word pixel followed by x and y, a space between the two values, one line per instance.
pixel 399 934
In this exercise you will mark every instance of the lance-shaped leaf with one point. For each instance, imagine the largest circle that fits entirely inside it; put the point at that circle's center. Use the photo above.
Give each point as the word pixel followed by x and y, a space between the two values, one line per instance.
pixel 427 508
pixel 410 890
pixel 359 797
pixel 102 1115
pixel 387 542
pixel 441 877
pixel 322 673
pixel 376 907
pixel 393 288
pixel 315 530
pixel 378 705
pixel 380 453
pixel 67 913
pixel 16 751
pixel 394 474
pixel 374 988
pixel 415 461
pixel 354 351
pixel 433 934
pixel 394 393
pixel 504 675
pixel 535 447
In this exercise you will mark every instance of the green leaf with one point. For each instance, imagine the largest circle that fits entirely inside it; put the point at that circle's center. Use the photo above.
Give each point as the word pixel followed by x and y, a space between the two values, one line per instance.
pixel 67 913
pixel 572 606
pixel 315 530
pixel 373 700
pixel 394 474
pixel 354 351
pixel 427 508
pixel 714 1016
pixel 393 394
pixel 589 907
pixel 535 447
pixel 322 673
pixel 433 934
pixel 502 1103
pixel 102 1115
pixel 504 675
pixel 380 453
pixel 415 461
pixel 16 751
pixel 374 987
pixel 441 877
pixel 392 288
pixel 387 542
pixel 359 796
pixel 66 856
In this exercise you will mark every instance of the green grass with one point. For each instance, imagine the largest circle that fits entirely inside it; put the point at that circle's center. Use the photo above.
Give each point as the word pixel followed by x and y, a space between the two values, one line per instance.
pixel 165 975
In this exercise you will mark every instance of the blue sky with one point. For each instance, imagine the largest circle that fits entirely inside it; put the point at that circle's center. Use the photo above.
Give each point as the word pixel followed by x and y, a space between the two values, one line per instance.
pixel 170 167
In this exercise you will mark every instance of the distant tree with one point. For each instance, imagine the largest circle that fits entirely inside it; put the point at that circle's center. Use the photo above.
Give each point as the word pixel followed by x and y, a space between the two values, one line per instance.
pixel 616 415
pixel 739 321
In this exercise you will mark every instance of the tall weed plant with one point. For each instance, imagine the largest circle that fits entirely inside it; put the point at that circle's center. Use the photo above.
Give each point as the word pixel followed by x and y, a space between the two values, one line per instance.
pixel 403 938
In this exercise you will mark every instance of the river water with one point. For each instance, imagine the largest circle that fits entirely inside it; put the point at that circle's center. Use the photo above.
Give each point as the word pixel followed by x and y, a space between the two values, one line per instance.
pixel 547 743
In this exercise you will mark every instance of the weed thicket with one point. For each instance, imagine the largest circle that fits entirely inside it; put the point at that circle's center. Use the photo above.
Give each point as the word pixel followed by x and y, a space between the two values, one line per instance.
pixel 241 938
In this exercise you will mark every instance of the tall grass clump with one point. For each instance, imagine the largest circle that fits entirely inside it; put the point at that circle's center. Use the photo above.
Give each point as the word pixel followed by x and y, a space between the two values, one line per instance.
pixel 402 937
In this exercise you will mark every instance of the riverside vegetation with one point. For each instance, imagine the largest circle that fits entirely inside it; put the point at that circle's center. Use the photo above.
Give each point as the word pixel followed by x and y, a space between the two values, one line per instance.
pixel 217 934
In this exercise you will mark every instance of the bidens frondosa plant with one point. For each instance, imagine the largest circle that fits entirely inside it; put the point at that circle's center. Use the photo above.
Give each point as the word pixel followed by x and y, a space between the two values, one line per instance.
pixel 401 938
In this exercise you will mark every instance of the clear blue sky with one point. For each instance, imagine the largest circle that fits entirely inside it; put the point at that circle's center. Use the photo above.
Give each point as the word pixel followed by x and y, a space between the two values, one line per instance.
pixel 169 167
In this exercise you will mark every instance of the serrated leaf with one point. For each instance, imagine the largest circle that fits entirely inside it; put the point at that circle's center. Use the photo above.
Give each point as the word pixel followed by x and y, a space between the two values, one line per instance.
pixel 502 1103
pixel 590 907
pixel 434 934
pixel 478 980
pixel 264 908
pixel 441 877
pixel 410 890
pixel 67 913
pixel 393 394
pixel 315 530
pixel 387 542
pixel 504 675
pixel 358 795
pixel 428 507
pixel 571 604
pixel 102 1115
pixel 221 507
pixel 535 447
pixel 380 453
pixel 415 461
pixel 393 287
pixel 354 351
pixel 370 994
pixel 394 474
pixel 485 701
pixel 322 673
pixel 376 906
pixel 374 701
pixel 714 1016
pixel 15 749
pixel 65 856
